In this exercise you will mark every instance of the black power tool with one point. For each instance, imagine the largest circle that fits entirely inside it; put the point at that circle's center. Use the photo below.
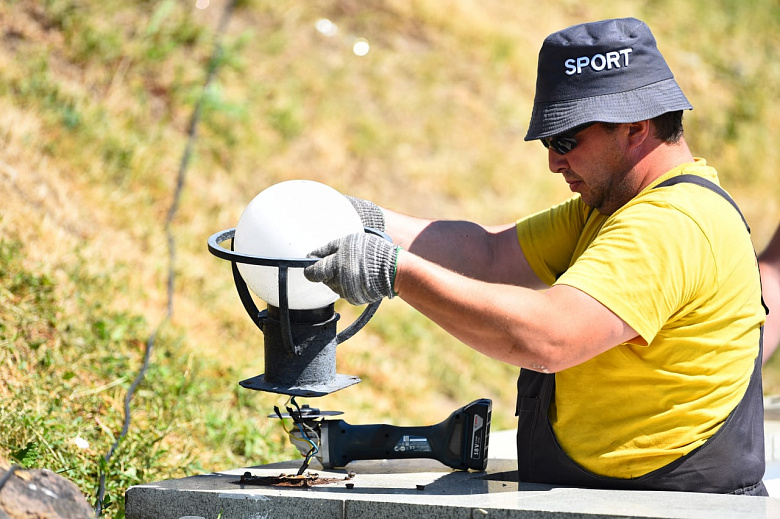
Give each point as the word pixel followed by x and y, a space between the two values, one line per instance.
pixel 459 442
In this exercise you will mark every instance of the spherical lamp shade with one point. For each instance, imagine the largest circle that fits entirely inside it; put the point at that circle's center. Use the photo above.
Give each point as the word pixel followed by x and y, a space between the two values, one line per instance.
pixel 287 221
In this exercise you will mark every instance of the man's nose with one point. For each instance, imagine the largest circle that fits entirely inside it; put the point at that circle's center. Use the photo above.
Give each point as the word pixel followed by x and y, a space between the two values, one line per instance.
pixel 557 162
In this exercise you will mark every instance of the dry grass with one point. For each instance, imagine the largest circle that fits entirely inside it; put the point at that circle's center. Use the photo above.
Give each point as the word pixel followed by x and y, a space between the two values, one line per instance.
pixel 95 97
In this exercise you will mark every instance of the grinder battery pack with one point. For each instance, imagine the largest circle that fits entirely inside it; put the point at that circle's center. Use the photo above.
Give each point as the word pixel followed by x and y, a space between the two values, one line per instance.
pixel 459 442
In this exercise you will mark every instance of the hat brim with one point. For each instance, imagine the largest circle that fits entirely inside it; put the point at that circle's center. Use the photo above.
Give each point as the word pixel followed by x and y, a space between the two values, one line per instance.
pixel 548 119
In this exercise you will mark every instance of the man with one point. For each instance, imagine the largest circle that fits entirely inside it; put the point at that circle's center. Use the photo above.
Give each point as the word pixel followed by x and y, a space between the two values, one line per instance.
pixel 641 359
pixel 769 264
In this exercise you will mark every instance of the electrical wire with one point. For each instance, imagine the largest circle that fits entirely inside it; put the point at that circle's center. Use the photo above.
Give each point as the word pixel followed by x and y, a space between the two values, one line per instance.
pixel 314 449
pixel 313 444
pixel 305 436
pixel 297 417
pixel 7 476
pixel 214 63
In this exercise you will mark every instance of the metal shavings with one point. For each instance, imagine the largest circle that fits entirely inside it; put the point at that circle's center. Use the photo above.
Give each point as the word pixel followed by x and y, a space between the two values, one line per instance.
pixel 307 480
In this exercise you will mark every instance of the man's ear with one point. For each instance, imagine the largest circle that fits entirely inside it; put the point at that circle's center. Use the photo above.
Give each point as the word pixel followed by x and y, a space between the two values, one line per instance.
pixel 638 132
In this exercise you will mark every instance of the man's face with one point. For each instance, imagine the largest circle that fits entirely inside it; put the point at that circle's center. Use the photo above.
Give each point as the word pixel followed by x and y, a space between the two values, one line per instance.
pixel 597 168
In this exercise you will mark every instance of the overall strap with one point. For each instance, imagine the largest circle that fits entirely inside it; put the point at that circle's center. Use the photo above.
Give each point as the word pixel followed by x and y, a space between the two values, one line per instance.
pixel 703 182
pixel 712 186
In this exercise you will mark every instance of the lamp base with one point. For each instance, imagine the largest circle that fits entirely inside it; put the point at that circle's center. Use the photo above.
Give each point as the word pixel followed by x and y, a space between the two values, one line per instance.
pixel 259 383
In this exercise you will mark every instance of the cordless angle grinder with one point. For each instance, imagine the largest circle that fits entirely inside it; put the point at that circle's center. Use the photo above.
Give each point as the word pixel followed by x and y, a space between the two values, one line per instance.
pixel 459 442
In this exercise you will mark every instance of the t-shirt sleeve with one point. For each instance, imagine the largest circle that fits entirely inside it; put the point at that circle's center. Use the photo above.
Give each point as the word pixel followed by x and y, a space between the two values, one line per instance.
pixel 549 238
pixel 639 266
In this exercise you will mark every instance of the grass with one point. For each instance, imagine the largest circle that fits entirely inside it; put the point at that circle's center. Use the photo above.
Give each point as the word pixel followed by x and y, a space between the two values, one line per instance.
pixel 73 373
pixel 95 99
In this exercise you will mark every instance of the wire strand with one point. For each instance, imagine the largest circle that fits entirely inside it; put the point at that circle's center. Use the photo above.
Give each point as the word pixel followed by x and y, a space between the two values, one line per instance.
pixel 7 476
pixel 214 63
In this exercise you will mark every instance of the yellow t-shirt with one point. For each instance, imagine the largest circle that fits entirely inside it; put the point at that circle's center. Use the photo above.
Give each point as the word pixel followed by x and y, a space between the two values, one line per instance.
pixel 676 264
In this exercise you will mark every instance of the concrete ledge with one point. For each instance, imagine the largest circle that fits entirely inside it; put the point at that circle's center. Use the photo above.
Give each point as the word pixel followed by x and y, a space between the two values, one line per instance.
pixel 422 489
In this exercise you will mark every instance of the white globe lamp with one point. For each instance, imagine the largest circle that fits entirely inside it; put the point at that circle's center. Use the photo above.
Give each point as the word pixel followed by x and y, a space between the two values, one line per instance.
pixel 287 221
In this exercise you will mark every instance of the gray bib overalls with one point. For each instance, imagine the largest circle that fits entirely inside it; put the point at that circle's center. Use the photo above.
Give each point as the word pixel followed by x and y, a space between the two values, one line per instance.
pixel 731 461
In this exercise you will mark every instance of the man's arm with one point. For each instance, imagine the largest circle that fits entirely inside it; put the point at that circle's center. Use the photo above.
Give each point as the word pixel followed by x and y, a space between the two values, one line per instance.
pixel 490 254
pixel 475 282
pixel 543 331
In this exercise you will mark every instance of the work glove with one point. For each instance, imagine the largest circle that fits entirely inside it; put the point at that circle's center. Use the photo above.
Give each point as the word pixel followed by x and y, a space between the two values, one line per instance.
pixel 358 267
pixel 370 213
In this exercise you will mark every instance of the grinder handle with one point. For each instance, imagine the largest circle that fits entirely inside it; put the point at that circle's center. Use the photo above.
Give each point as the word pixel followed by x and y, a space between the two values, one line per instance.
pixel 348 443
pixel 460 441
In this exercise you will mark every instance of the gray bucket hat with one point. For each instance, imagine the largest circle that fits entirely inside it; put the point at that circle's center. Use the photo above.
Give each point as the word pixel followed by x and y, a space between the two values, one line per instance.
pixel 607 71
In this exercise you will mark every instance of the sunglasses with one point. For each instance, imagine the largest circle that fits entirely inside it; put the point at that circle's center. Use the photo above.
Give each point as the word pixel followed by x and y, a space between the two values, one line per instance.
pixel 565 142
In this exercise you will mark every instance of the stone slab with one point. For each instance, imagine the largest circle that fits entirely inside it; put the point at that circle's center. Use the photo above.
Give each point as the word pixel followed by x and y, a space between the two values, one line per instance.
pixel 421 489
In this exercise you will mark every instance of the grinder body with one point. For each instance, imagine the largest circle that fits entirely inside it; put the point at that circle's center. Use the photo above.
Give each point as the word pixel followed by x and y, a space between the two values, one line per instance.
pixel 460 441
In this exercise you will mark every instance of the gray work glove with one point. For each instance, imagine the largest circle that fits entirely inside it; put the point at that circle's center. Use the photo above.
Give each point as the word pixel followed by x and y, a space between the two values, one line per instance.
pixel 370 213
pixel 358 267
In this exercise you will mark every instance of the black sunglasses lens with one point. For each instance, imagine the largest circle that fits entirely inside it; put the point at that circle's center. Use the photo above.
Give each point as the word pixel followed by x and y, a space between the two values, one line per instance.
pixel 564 143
pixel 559 144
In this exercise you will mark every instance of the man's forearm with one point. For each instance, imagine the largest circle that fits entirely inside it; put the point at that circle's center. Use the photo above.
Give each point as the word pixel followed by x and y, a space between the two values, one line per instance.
pixel 544 331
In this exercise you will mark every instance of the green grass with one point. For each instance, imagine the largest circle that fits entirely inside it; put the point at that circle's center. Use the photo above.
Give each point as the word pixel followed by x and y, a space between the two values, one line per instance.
pixel 72 373
pixel 95 99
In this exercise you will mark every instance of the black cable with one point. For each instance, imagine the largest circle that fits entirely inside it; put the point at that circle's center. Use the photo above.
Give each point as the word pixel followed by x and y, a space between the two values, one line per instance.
pixel 214 63
pixel 7 475
pixel 297 416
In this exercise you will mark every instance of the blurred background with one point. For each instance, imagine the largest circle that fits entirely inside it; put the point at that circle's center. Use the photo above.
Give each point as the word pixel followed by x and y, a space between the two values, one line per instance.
pixel 418 105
